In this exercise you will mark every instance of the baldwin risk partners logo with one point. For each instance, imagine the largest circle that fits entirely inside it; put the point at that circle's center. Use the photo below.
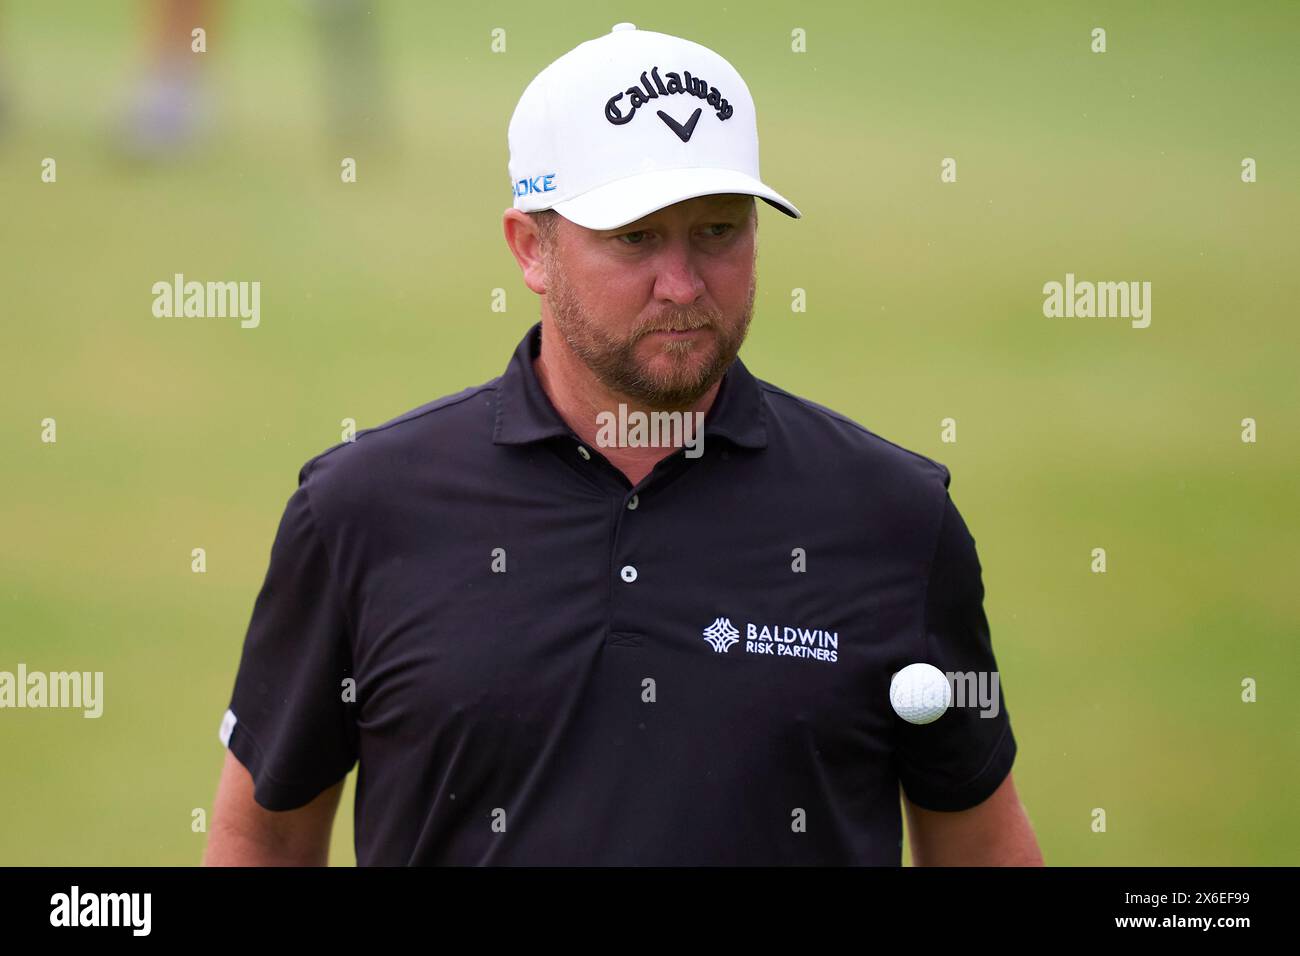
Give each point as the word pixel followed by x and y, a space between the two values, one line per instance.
pixel 775 639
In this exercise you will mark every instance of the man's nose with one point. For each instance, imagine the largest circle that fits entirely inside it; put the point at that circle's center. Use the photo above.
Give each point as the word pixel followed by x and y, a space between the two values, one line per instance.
pixel 678 275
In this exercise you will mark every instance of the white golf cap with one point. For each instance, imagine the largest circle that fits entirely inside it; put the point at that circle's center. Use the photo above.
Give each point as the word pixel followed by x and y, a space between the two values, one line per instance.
pixel 629 123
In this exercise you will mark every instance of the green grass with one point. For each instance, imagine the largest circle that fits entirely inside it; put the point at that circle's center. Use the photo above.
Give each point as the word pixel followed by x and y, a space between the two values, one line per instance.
pixel 924 303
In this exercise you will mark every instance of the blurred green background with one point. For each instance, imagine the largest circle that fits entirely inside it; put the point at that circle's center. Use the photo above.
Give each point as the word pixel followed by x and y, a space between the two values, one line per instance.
pixel 924 302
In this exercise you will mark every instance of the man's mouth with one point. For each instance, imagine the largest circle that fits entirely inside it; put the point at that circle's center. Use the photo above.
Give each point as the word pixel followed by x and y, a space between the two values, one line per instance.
pixel 681 330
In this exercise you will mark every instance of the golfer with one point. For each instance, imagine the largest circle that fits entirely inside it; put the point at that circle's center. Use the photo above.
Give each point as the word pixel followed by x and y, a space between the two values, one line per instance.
pixel 626 604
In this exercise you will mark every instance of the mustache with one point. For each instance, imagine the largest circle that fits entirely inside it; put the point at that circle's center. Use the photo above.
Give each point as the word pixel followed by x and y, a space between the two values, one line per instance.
pixel 687 322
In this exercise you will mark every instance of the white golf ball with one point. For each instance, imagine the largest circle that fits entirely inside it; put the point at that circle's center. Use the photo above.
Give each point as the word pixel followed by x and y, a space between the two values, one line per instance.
pixel 920 693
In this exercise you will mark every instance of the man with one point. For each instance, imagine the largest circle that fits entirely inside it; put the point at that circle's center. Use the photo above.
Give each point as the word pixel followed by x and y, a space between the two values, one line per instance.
pixel 547 643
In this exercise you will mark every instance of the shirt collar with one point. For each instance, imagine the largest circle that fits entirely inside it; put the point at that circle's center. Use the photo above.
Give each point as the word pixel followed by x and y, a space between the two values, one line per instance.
pixel 525 414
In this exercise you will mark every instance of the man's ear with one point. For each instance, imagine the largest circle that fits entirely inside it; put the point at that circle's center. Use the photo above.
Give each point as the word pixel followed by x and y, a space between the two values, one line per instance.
pixel 525 242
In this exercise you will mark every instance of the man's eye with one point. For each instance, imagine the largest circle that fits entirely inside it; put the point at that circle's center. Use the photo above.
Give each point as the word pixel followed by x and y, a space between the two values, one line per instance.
pixel 634 238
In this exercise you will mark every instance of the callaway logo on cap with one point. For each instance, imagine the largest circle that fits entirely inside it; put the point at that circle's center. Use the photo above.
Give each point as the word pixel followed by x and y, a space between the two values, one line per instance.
pixel 629 123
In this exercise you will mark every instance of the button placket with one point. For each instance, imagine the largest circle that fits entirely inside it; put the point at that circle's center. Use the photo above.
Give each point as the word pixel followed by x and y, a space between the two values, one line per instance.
pixel 626 613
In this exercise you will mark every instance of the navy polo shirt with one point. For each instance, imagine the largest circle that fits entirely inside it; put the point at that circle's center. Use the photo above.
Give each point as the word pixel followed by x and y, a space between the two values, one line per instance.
pixel 536 663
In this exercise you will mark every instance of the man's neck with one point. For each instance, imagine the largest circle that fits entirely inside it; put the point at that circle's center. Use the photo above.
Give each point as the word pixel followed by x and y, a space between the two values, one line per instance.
pixel 580 397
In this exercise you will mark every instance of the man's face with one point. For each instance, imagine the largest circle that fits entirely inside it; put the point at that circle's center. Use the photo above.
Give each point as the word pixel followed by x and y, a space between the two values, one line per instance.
pixel 657 309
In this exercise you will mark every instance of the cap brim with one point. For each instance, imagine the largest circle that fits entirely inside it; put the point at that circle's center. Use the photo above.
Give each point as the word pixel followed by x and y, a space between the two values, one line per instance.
pixel 627 200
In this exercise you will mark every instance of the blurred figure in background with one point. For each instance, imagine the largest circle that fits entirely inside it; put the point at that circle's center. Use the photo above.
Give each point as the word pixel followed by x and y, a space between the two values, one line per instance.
pixel 355 100
pixel 171 107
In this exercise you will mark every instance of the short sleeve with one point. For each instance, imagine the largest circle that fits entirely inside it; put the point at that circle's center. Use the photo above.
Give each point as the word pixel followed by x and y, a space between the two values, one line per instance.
pixel 957 761
pixel 290 720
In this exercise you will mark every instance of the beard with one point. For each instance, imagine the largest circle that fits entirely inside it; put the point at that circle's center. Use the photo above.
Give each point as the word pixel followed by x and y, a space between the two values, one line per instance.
pixel 676 373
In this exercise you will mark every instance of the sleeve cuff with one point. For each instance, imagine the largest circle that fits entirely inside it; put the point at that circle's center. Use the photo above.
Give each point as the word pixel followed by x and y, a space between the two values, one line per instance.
pixel 270 793
pixel 975 790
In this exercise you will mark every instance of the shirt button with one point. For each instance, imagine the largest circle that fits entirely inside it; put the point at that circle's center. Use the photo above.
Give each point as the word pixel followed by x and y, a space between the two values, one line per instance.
pixel 631 503
pixel 629 573
pixel 586 455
